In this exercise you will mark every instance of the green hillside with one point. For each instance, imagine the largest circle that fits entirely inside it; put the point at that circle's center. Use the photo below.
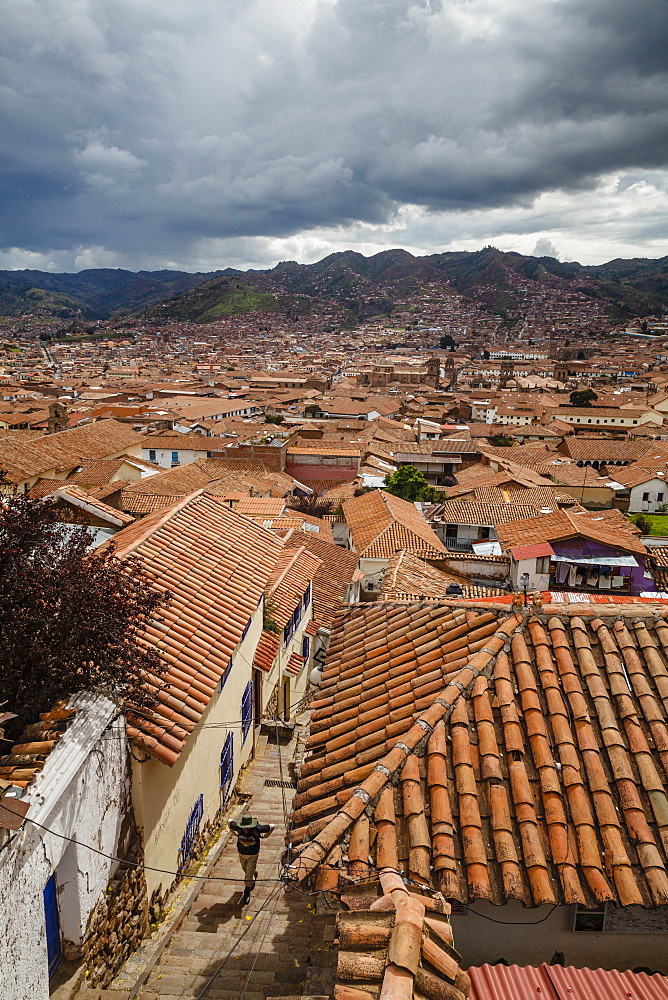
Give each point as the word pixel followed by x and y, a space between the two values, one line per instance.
pixel 226 296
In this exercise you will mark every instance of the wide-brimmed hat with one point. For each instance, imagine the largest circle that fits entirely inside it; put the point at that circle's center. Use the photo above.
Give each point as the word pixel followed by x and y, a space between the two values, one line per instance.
pixel 247 821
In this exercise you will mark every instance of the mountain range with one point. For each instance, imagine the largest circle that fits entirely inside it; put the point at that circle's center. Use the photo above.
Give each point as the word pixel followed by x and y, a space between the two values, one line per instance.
pixel 361 286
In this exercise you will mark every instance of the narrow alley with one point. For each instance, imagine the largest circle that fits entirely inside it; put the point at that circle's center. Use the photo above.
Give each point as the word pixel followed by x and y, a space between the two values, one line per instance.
pixel 279 945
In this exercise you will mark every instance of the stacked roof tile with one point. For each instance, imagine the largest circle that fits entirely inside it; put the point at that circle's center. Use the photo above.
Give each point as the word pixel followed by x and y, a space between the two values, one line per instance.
pixel 380 524
pixel 216 564
pixel 493 755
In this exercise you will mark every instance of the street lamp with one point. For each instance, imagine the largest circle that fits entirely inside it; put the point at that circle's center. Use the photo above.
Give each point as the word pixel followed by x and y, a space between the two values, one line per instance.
pixel 524 580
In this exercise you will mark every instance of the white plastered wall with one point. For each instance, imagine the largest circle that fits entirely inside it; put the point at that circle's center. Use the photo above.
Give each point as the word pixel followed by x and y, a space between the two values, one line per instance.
pixel 82 793
pixel 480 940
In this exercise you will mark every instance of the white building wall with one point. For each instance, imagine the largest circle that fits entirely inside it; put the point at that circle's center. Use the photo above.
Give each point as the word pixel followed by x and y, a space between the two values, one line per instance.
pixel 82 793
pixel 657 491
pixel 481 940
pixel 163 456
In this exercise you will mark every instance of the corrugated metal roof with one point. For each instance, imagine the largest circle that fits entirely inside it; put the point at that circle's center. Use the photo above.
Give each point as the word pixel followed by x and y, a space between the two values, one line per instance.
pixel 554 982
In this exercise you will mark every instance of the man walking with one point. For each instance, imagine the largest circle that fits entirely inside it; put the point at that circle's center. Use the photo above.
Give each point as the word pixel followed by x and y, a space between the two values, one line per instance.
pixel 249 833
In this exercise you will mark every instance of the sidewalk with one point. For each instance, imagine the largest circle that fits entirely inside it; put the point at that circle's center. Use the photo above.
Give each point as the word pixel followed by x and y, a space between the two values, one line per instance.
pixel 287 948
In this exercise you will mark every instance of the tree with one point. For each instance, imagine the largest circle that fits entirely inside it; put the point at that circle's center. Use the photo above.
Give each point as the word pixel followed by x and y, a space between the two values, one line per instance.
pixel 582 397
pixel 274 418
pixel 446 341
pixel 485 355
pixel 312 410
pixel 500 441
pixel 312 505
pixel 410 484
pixel 642 522
pixel 70 619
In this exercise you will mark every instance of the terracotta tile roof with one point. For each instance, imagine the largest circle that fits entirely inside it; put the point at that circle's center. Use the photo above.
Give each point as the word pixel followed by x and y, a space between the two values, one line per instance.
pixel 45 487
pixel 554 982
pixel 537 497
pixel 380 524
pixel 20 762
pixel 337 570
pixel 583 449
pixel 292 573
pixel 399 946
pixel 146 503
pixel 92 504
pixel 217 564
pixel 260 506
pixel 478 513
pixel 607 527
pixel 493 755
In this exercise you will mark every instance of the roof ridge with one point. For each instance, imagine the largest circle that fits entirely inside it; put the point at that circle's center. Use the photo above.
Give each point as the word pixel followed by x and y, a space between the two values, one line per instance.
pixel 165 515
pixel 315 851
pixel 288 566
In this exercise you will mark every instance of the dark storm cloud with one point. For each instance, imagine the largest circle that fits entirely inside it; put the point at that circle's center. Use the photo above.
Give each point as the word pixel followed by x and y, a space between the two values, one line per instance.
pixel 144 126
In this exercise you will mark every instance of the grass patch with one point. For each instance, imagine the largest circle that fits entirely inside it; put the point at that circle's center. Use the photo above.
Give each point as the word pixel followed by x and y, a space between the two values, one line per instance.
pixel 242 300
pixel 659 523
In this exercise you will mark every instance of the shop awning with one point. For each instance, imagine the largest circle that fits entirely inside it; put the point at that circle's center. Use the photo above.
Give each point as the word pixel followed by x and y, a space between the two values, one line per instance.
pixel 595 560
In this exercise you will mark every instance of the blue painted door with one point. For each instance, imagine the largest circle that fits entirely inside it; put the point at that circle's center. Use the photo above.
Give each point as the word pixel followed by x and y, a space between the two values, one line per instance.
pixel 53 946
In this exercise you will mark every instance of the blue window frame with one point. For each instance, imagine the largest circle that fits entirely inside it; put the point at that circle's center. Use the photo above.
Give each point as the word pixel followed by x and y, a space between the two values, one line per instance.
pixel 190 836
pixel 226 769
pixel 175 458
pixel 225 674
pixel 306 647
pixel 307 597
pixel 246 711
pixel 151 455
pixel 246 628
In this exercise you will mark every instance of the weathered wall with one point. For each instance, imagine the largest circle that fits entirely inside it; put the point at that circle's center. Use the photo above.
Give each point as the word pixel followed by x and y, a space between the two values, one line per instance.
pixel 479 940
pixel 120 920
pixel 83 794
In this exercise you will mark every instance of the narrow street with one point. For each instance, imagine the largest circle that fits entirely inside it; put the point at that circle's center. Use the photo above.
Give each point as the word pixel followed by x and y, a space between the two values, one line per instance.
pixel 287 945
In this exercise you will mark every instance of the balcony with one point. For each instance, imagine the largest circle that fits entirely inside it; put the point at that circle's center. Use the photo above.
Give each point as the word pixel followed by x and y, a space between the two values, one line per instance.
pixel 457 545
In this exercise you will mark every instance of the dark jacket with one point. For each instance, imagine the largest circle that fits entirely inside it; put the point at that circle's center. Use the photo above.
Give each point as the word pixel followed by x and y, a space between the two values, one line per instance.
pixel 248 837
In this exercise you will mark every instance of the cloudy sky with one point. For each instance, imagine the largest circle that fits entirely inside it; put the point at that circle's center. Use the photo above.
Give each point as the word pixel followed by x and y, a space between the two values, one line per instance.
pixel 204 133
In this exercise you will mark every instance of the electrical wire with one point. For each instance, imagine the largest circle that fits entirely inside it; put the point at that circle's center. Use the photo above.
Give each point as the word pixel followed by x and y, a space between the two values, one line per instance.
pixel 284 878
pixel 125 861
pixel 514 923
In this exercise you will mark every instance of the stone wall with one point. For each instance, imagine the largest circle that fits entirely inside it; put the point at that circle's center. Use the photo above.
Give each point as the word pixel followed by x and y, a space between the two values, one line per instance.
pixel 118 924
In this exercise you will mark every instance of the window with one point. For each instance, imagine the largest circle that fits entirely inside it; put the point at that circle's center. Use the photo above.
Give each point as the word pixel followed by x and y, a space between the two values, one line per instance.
pixel 543 564
pixel 226 769
pixel 306 647
pixel 645 496
pixel 246 711
pixel 484 532
pixel 151 454
pixel 246 629
pixel 175 458
pixel 451 531
pixel 659 497
pixel 209 454
pixel 190 836
pixel 307 597
pixel 225 674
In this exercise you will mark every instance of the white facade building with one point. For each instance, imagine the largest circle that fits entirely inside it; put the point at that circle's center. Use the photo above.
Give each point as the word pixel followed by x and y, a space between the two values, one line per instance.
pixel 50 882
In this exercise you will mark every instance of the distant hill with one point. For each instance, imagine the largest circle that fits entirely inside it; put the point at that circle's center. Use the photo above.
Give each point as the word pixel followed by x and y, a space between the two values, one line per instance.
pixel 361 286
pixel 96 293
pixel 222 296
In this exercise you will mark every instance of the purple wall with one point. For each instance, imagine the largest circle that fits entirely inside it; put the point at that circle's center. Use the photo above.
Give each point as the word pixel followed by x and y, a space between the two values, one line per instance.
pixel 574 547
